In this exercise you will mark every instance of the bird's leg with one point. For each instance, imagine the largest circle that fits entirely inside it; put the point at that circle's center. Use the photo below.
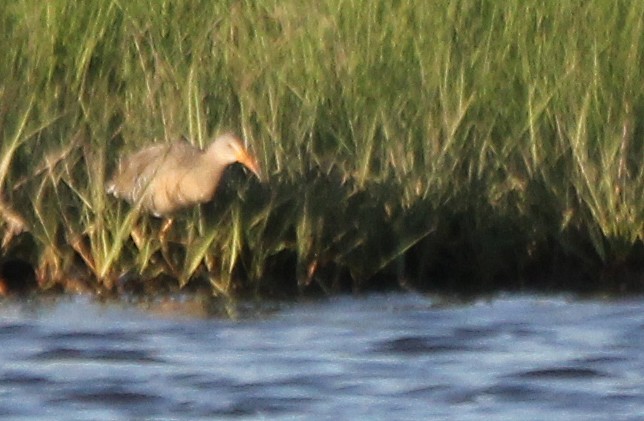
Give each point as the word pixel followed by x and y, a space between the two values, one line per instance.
pixel 165 252
pixel 138 235
pixel 167 224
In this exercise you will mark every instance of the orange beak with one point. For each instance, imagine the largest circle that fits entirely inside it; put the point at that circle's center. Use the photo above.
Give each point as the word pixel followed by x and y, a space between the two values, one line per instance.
pixel 247 160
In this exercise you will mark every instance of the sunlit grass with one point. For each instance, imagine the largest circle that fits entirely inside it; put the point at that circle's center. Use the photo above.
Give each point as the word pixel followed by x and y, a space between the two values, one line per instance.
pixel 464 144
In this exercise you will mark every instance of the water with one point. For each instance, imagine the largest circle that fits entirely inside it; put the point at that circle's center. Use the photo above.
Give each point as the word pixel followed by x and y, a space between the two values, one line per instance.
pixel 387 357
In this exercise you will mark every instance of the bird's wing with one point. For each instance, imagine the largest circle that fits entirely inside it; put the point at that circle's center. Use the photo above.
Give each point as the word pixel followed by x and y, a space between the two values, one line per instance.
pixel 137 170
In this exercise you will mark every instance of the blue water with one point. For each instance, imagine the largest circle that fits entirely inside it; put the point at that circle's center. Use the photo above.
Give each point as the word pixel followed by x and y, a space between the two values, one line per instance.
pixel 398 356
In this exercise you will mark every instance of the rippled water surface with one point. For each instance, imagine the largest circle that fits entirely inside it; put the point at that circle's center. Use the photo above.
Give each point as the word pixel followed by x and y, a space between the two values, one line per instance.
pixel 379 357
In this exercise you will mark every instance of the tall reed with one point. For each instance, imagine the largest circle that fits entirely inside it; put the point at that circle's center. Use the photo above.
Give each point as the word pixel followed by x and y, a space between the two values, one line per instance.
pixel 459 144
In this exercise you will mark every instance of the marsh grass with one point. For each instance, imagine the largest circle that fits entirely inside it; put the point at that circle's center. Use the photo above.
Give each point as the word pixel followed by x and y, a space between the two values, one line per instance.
pixel 465 145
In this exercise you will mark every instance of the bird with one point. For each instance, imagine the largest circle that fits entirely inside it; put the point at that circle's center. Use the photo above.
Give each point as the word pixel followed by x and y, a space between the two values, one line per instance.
pixel 165 178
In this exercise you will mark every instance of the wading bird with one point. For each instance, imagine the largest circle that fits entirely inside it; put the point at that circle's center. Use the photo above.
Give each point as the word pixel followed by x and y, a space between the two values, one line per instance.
pixel 165 178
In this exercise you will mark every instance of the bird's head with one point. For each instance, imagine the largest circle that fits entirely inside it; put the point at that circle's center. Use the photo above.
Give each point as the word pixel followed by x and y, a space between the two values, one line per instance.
pixel 229 149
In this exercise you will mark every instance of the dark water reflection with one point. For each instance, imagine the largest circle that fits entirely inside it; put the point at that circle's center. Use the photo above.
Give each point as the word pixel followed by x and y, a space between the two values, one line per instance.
pixel 379 357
